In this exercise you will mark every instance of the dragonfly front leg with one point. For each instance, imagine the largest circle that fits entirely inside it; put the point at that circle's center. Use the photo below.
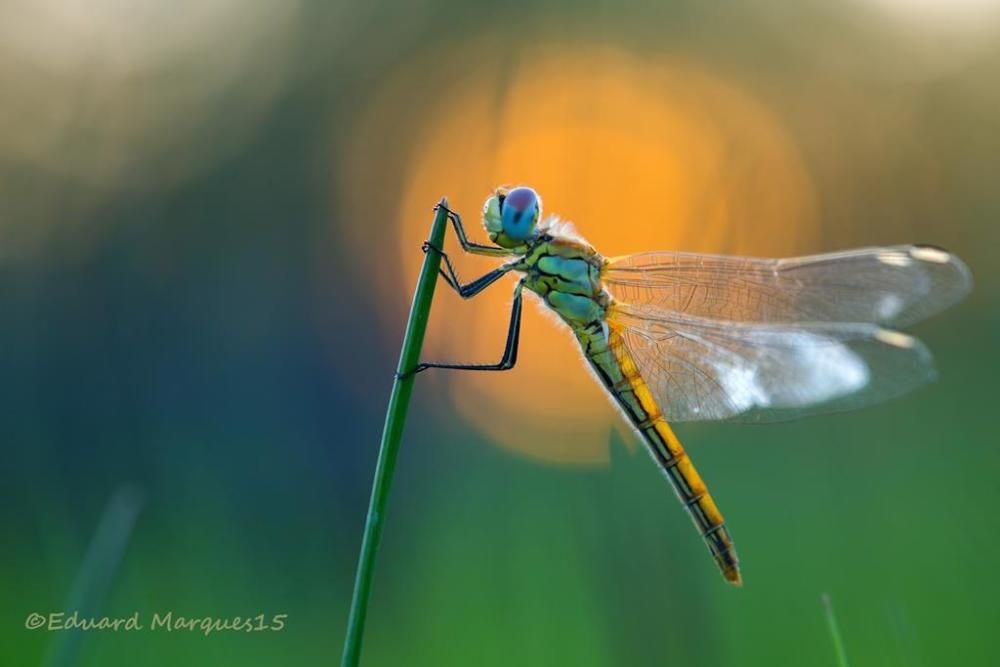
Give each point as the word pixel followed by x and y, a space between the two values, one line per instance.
pixel 467 245
pixel 510 349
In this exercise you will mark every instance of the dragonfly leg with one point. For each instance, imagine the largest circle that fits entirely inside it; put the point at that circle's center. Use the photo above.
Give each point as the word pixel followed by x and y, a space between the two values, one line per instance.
pixel 510 349
pixel 470 289
pixel 467 245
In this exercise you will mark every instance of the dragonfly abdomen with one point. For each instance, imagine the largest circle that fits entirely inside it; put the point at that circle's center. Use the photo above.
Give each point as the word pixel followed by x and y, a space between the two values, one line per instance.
pixel 608 356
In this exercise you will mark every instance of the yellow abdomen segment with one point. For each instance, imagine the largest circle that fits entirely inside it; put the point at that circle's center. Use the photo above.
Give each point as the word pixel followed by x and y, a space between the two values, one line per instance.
pixel 617 369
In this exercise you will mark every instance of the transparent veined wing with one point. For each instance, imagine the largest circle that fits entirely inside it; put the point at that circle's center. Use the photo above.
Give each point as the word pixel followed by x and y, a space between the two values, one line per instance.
pixel 896 285
pixel 700 369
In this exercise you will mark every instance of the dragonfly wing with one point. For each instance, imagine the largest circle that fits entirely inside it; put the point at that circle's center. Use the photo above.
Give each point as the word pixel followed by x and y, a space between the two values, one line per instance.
pixel 895 285
pixel 701 369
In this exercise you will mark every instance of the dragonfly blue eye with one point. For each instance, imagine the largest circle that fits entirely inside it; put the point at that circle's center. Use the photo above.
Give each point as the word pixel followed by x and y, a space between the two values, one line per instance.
pixel 519 213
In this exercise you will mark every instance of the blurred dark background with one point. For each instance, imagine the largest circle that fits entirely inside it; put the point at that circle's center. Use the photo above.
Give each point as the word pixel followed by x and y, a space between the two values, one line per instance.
pixel 210 218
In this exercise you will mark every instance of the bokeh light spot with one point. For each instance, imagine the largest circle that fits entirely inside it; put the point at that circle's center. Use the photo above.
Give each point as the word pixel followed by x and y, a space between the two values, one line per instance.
pixel 639 153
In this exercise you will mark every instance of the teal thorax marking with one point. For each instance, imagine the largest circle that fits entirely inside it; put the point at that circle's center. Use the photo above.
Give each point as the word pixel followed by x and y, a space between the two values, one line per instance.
pixel 566 274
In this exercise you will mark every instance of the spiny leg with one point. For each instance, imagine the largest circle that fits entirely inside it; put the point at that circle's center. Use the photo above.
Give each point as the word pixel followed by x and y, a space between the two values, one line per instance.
pixel 469 246
pixel 510 349
pixel 473 288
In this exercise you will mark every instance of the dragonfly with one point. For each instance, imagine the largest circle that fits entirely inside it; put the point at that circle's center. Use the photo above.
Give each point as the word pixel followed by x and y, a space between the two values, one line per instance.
pixel 679 337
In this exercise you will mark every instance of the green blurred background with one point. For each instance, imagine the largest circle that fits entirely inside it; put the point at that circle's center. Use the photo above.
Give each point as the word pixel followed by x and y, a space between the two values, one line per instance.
pixel 189 311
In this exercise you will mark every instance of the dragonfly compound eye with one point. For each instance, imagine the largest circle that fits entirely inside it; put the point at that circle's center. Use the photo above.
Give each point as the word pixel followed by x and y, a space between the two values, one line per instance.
pixel 519 213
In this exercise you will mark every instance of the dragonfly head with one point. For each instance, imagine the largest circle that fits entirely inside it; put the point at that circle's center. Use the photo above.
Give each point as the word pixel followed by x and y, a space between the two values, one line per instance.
pixel 511 216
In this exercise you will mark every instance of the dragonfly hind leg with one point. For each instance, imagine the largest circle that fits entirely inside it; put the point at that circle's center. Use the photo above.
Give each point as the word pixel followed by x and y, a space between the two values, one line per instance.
pixel 509 358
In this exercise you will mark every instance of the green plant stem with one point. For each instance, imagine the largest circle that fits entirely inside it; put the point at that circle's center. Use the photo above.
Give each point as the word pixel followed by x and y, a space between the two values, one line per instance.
pixel 97 572
pixel 831 620
pixel 395 419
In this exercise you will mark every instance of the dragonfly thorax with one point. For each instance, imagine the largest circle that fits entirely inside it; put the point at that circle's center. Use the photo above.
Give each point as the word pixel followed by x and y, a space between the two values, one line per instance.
pixel 566 274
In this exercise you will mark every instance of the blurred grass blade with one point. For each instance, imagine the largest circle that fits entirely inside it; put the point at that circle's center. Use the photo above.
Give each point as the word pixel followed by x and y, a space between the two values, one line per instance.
pixel 831 621
pixel 395 419
pixel 97 573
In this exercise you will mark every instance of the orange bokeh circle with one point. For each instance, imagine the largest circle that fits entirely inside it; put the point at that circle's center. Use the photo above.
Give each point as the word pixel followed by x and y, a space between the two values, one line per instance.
pixel 640 155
